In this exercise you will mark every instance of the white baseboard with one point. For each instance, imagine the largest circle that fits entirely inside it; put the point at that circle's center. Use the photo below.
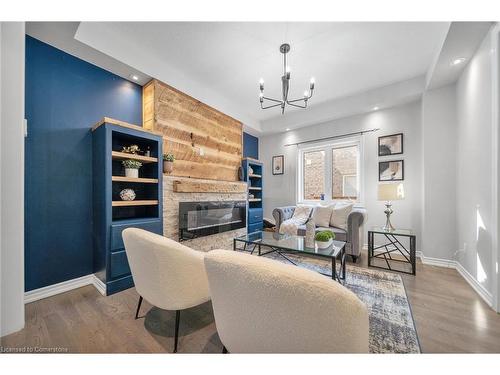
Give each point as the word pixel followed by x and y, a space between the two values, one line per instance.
pixel 438 262
pixel 481 290
pixel 446 263
pixel 65 286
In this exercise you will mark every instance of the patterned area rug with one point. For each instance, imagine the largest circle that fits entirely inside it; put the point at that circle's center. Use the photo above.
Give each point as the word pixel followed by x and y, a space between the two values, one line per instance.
pixel 392 329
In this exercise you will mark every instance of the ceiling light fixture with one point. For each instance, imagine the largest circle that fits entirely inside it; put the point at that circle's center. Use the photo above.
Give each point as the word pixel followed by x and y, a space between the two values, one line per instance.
pixel 375 108
pixel 134 77
pixel 287 129
pixel 285 87
pixel 458 61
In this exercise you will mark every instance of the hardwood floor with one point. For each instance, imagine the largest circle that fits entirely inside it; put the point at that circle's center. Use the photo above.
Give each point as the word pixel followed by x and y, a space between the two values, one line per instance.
pixel 449 316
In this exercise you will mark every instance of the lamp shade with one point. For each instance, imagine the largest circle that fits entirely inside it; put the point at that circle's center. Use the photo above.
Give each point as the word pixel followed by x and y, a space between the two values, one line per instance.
pixel 391 192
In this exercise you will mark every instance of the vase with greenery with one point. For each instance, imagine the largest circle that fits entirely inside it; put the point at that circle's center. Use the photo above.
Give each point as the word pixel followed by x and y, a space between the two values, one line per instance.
pixel 168 163
pixel 131 168
pixel 324 239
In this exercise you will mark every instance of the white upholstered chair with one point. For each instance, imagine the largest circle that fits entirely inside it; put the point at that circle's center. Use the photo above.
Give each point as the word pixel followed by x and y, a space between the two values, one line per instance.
pixel 264 306
pixel 167 274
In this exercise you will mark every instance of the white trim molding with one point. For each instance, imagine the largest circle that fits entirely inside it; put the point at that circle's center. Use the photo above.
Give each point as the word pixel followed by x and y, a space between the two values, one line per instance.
pixel 479 289
pixel 65 286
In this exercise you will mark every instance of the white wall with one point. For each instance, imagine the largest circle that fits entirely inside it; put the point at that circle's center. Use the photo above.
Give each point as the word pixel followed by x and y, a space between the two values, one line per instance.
pixel 12 177
pixel 281 190
pixel 439 168
pixel 475 194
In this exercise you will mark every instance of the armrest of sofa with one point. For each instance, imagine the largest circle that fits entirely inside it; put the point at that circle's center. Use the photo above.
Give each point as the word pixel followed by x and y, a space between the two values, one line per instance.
pixel 355 221
pixel 281 214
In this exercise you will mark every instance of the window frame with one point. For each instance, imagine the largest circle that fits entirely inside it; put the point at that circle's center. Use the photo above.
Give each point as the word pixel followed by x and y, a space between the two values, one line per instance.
pixel 328 147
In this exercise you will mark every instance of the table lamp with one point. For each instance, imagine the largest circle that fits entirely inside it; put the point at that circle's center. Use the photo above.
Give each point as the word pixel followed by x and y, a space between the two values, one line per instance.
pixel 389 193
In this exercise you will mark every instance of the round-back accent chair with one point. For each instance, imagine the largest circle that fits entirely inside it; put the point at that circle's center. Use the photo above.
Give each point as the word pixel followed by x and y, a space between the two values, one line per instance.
pixel 167 274
pixel 264 306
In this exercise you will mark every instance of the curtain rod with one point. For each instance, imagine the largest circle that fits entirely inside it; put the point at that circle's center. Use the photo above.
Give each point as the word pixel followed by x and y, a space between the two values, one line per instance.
pixel 333 137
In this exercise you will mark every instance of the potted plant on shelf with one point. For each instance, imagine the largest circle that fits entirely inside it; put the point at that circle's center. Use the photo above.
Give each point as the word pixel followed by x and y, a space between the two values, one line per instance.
pixel 324 239
pixel 168 163
pixel 131 168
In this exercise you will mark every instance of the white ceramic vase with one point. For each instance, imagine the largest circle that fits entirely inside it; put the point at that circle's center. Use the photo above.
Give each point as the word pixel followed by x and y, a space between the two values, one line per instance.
pixel 131 172
pixel 310 233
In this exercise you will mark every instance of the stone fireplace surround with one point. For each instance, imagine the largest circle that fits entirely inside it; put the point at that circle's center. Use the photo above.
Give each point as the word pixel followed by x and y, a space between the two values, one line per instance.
pixel 171 201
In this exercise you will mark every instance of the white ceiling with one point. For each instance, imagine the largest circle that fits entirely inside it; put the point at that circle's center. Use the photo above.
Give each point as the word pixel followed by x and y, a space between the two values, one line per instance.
pixel 356 65
pixel 229 58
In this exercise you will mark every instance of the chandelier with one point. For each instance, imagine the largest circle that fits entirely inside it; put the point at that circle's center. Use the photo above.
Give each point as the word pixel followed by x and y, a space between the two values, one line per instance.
pixel 285 87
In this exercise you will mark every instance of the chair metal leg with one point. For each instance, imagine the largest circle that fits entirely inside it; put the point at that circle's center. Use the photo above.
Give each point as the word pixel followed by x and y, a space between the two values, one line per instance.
pixel 177 319
pixel 224 350
pixel 138 307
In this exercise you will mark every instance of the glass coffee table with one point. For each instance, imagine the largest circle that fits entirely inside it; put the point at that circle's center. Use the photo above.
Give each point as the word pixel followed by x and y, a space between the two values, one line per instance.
pixel 271 242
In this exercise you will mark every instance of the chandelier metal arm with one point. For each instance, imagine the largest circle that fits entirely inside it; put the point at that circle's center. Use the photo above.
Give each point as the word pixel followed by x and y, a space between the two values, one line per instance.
pixel 297 105
pixel 270 106
pixel 273 100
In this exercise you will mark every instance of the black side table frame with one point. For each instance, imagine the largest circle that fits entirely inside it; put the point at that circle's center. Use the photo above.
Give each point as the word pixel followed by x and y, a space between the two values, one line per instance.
pixel 392 245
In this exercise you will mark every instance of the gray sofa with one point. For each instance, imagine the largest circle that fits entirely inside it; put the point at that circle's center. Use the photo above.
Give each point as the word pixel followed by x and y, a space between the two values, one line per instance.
pixel 353 235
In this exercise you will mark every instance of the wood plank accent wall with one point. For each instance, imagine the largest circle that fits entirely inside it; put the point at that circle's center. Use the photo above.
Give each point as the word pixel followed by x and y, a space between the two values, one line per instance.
pixel 188 125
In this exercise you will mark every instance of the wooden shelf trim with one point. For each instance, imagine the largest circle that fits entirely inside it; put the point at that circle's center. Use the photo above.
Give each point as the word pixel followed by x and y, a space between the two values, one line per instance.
pixel 132 179
pixel 135 203
pixel 122 156
pixel 123 124
pixel 254 176
pixel 254 200
pixel 254 188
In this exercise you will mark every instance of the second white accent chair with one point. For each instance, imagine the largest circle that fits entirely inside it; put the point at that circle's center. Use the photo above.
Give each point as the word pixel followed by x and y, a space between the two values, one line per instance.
pixel 167 274
pixel 264 306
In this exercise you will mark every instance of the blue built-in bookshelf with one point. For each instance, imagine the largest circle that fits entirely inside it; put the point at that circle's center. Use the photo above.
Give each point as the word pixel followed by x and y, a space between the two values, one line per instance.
pixel 253 175
pixel 111 213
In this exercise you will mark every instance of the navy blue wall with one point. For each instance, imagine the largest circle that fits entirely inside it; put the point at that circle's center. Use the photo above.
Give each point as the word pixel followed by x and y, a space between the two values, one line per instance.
pixel 65 96
pixel 250 146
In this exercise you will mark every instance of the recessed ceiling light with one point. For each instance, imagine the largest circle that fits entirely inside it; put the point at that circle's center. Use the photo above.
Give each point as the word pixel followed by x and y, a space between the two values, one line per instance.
pixel 375 108
pixel 287 129
pixel 458 61
pixel 134 77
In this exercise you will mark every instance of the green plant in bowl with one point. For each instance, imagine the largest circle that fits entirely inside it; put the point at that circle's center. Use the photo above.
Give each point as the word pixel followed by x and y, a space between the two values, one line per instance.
pixel 324 236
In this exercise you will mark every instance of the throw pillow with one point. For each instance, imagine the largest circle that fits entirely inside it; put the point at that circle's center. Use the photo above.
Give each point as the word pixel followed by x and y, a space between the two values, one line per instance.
pixel 322 215
pixel 301 213
pixel 340 214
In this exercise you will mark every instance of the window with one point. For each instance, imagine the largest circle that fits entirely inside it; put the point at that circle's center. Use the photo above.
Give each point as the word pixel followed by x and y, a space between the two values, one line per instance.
pixel 345 172
pixel 314 175
pixel 330 171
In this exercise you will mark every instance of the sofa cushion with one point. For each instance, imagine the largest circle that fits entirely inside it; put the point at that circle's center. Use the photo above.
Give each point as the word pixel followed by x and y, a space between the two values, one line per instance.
pixel 322 215
pixel 340 214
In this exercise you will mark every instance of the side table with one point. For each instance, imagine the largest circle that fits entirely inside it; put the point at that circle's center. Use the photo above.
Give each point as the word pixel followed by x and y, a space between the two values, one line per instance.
pixel 391 248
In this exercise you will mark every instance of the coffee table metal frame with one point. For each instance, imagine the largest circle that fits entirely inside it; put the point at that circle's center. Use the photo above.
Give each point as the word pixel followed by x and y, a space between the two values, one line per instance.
pixel 281 251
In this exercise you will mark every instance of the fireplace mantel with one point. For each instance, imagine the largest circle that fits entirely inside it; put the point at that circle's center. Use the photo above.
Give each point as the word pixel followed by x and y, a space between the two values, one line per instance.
pixel 197 186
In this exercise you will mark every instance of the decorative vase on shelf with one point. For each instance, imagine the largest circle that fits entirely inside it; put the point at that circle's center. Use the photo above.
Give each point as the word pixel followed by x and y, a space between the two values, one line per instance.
pixel 250 170
pixel 127 194
pixel 132 172
pixel 310 233
pixel 168 166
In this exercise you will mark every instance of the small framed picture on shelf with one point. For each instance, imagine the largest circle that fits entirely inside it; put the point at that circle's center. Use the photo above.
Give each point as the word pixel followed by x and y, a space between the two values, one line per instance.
pixel 278 164
pixel 392 170
pixel 390 144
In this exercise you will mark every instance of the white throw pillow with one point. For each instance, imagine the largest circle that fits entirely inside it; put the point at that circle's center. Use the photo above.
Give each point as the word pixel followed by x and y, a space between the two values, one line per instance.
pixel 301 213
pixel 339 215
pixel 322 215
